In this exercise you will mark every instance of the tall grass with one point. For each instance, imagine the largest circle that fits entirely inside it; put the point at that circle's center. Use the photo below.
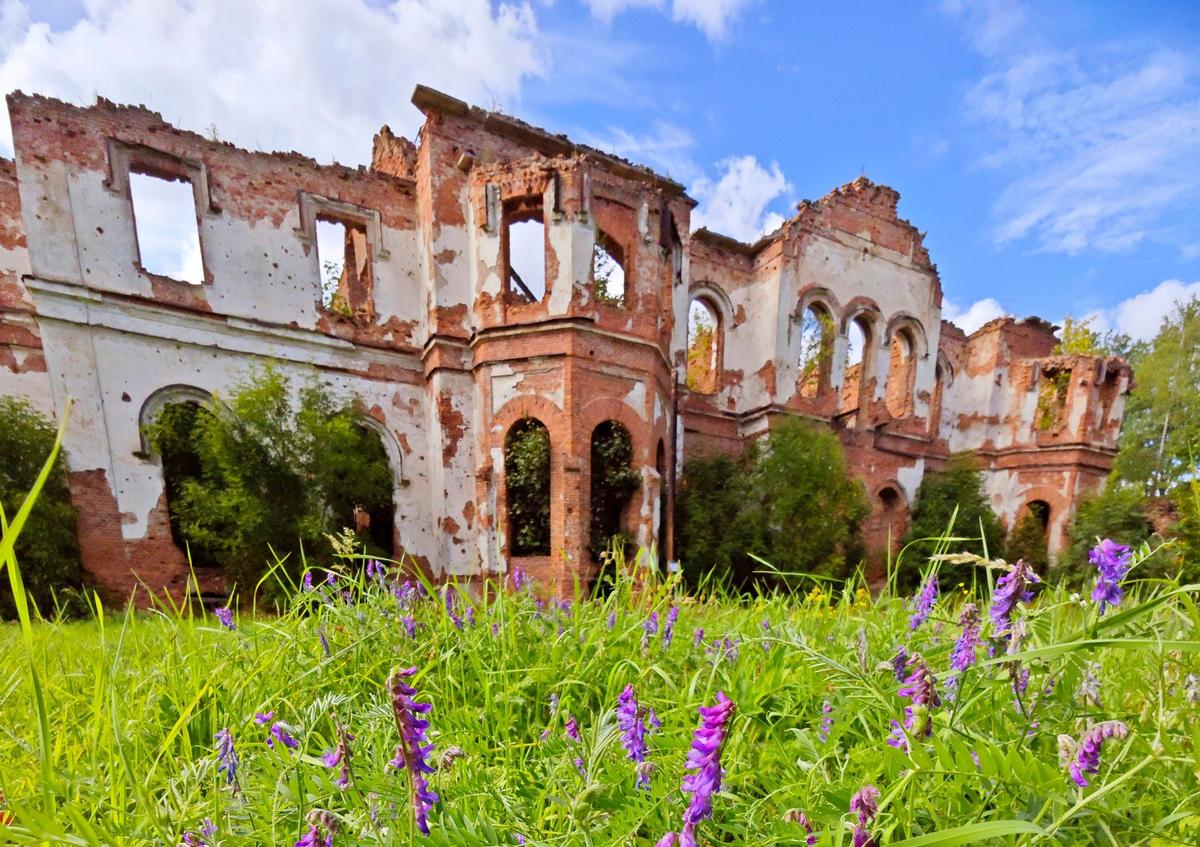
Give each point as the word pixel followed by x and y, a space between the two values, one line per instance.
pixel 107 725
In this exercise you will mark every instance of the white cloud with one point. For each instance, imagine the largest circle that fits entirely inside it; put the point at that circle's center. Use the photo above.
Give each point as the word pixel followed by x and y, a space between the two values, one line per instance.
pixel 319 76
pixel 666 148
pixel 975 315
pixel 712 17
pixel 736 203
pixel 1141 315
pixel 1100 148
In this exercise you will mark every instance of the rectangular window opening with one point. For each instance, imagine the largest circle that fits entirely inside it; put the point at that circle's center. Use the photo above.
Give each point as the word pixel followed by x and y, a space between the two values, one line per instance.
pixel 525 251
pixel 168 236
pixel 344 259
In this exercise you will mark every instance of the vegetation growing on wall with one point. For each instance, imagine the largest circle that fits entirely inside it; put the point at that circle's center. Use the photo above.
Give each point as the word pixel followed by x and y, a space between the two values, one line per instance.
pixel 527 487
pixel 268 470
pixel 788 500
pixel 47 547
pixel 1027 541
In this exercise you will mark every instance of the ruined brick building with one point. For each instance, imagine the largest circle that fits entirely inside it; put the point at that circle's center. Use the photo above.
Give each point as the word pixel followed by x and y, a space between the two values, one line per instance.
pixel 448 344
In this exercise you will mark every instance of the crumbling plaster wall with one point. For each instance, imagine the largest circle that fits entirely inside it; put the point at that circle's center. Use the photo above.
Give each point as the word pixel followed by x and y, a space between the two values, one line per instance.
pixel 22 363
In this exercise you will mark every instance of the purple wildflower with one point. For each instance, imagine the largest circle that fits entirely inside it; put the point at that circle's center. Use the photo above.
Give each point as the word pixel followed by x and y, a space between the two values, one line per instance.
pixel 1113 560
pixel 667 840
pixel 579 766
pixel 669 627
pixel 612 620
pixel 798 817
pixel 1089 686
pixel 923 696
pixel 900 664
pixel 340 756
pixel 652 718
pixel 826 721
pixel 633 730
pixel 923 603
pixel 963 654
pixel 865 805
pixel 698 636
pixel 410 625
pixel 209 829
pixel 225 616
pixel 572 728
pixel 227 756
pixel 704 759
pixel 1011 588
pixel 412 750
pixel 324 641
pixel 649 629
pixel 518 579
pixel 190 839
pixel 470 616
pixel 495 629
pixel 308 585
pixel 312 838
pixel 330 578
pixel 1086 756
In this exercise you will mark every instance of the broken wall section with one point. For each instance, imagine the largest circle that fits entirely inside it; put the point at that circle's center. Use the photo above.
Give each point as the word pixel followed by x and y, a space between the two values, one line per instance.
pixel 22 362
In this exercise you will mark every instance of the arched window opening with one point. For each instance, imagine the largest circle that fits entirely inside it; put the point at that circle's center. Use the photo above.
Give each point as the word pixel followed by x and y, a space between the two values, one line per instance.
pixel 614 481
pixel 373 523
pixel 174 433
pixel 901 373
pixel 524 247
pixel 858 342
pixel 527 487
pixel 935 405
pixel 660 465
pixel 1029 539
pixel 608 270
pixel 816 350
pixel 704 346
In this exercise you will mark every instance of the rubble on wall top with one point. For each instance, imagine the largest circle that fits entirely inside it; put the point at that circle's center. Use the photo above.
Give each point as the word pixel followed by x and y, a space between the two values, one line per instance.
pixel 154 120
pixel 431 100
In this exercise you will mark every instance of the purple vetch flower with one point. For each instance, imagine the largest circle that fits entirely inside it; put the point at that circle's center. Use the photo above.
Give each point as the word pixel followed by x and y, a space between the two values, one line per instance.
pixel 667 840
pixel 278 732
pixel 698 636
pixel 410 625
pixel 924 602
pixel 704 759
pixel 919 688
pixel 668 632
pixel 520 839
pixel 227 756
pixel 407 593
pixel 1085 758
pixel 579 766
pixel 340 756
pixel 308 585
pixel 312 838
pixel 612 620
pixel 553 703
pixel 1113 560
pixel 826 721
pixel 412 750
pixel 225 616
pixel 1011 588
pixel 495 629
pixel 376 570
pixel 963 654
pixel 865 806
pixel 1089 686
pixel 518 579
pixel 649 629
pixel 975 759
pixel 190 839
pixel 572 728
pixel 209 829
pixel 652 718
pixel 470 616
pixel 324 641
pixel 900 664
pixel 319 821
pixel 798 817
pixel 630 717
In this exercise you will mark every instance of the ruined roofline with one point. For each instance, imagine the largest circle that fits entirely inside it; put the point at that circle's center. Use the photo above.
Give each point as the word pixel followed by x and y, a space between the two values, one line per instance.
pixel 553 144
pixel 142 112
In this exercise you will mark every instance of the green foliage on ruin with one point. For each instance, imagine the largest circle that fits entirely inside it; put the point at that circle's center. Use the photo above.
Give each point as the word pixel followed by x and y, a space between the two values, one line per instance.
pixel 788 500
pixel 613 481
pixel 953 494
pixel 48 548
pixel 527 487
pixel 267 470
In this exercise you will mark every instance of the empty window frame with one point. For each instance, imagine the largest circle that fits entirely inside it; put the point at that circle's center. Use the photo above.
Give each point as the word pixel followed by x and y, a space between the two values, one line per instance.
pixel 901 375
pixel 608 270
pixel 858 342
pixel 166 225
pixel 524 246
pixel 816 350
pixel 344 260
pixel 704 346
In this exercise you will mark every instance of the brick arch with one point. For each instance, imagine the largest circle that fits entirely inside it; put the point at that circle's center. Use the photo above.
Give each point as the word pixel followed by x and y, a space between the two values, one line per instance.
pixel 864 309
pixel 718 301
pixel 902 321
pixel 900 385
pixel 857 307
pixel 158 400
pixel 815 294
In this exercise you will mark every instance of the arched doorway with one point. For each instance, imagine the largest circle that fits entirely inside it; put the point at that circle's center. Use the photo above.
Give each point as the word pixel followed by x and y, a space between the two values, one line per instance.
pixel 527 487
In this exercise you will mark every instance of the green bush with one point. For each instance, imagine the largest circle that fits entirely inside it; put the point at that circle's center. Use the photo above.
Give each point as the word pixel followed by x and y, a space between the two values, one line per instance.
pixel 47 549
pixel 959 486
pixel 788 500
pixel 527 487
pixel 257 476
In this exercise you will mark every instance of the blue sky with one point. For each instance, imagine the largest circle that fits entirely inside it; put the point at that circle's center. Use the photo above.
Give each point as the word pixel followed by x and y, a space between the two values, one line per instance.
pixel 1050 151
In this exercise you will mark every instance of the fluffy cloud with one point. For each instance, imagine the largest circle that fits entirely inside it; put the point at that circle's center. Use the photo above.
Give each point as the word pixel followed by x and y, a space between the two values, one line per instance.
pixel 666 148
pixel 736 203
pixel 1141 316
pixel 975 315
pixel 319 76
pixel 712 17
pixel 1100 147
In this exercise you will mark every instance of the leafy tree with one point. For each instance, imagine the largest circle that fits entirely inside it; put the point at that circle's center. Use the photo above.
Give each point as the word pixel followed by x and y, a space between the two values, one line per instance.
pixel 527 487
pixel 701 375
pixel 1118 512
pixel 273 476
pixel 1078 338
pixel 613 482
pixel 1161 428
pixel 47 549
pixel 959 486
pixel 788 500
